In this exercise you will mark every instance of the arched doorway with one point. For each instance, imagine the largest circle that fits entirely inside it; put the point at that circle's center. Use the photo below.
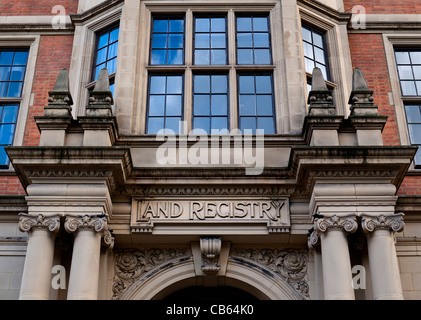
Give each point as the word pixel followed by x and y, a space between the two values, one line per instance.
pixel 209 294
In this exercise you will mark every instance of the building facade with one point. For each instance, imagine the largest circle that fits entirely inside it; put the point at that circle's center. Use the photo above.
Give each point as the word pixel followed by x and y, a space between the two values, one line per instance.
pixel 156 150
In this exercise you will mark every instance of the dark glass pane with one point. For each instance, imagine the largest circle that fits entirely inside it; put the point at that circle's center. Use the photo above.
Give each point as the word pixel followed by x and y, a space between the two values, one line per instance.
pixel 413 113
pixel 245 56
pixel 261 40
pixel 416 57
pixel 3 89
pixel 260 24
pixel 202 25
pixel 408 88
pixel 247 84
pixel 158 84
pixel 114 35
pixel 247 105
pixel 218 57
pixel 6 58
pixel 319 55
pixel 103 40
pixel 219 123
pixel 248 123
pixel 101 56
pixel 405 72
pixel 219 105
pixel 112 65
pixel 244 24
pixel 202 41
pixel 306 34
pixel 172 124
pixel 157 105
pixel 218 40
pixel 308 50
pixel 318 40
pixel 201 84
pixel 219 84
pixel 160 25
pixel 244 40
pixel 261 56
pixel 174 84
pixel 159 41
pixel 6 134
pixel 18 73
pixel 201 57
pixel 175 41
pixel 176 26
pixel 201 105
pixel 4 73
pixel 14 89
pixel 174 105
pixel 264 105
pixel 218 24
pixel 266 124
pixel 155 124
pixel 10 114
pixel 263 84
pixel 175 56
pixel 402 57
pixel 21 58
pixel 158 56
pixel 4 160
pixel 202 123
pixel 415 133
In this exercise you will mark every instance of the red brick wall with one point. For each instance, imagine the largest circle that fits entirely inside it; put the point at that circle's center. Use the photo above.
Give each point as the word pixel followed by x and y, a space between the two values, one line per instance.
pixel 385 6
pixel 10 185
pixel 35 7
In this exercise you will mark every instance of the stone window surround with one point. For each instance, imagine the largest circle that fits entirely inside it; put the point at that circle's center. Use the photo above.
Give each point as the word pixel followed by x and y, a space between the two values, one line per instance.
pixel 30 42
pixel 392 41
pixel 338 56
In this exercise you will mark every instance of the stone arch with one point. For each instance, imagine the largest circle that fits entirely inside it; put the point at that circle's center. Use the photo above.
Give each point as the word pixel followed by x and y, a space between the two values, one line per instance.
pixel 180 273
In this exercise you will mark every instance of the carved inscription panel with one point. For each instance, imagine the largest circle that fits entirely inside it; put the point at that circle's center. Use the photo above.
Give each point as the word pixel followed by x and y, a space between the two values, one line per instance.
pixel 148 213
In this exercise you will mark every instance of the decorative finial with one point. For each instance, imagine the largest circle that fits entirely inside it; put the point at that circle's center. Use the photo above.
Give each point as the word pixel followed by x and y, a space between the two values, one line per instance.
pixel 60 99
pixel 101 98
pixel 361 98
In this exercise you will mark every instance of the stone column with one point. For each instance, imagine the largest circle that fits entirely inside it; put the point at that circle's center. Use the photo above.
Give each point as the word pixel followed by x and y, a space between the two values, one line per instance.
pixel 337 275
pixel 384 268
pixel 84 271
pixel 36 278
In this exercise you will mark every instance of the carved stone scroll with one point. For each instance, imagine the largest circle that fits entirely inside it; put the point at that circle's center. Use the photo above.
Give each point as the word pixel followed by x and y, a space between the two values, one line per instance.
pixel 27 222
pixel 393 222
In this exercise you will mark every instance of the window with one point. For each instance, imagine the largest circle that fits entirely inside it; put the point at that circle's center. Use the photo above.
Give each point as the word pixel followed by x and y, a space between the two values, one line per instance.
pixel 167 41
pixel 210 41
pixel 106 51
pixel 314 51
pixel 253 40
pixel 12 74
pixel 165 103
pixel 413 117
pixel 210 102
pixel 256 105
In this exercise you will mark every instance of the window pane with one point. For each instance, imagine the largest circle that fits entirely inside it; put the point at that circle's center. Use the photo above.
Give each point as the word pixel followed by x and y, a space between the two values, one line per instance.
pixel 244 40
pixel 4 160
pixel 219 105
pixel 318 40
pixel 159 56
pixel 202 25
pixel 245 56
pixel 418 83
pixel 174 84
pixel 201 105
pixel 247 84
pixel 202 41
pixel 159 41
pixel 3 89
pixel 308 50
pixel 402 57
pixel 405 72
pixel 98 69
pixel 218 40
pixel 260 24
pixel 112 65
pixel 244 24
pixel 413 113
pixel 218 25
pixel 309 65
pixel 201 84
pixel 417 72
pixel 6 134
pixel 175 41
pixel 14 89
pixel 4 73
pixel 248 123
pixel 264 105
pixel 418 157
pixel 416 57
pixel 202 123
pixel 218 57
pixel 21 58
pixel 201 57
pixel 263 84
pixel 306 35
pixel 114 35
pixel 415 133
pixel 6 58
pixel 261 56
pixel 173 124
pixel 103 40
pixel 176 26
pixel 319 55
pixel 265 124
pixel 157 105
pixel 158 84
pixel 112 50
pixel 173 107
pixel 155 124
pixel 247 105
pixel 408 88
pixel 219 84
pixel 160 25
pixel 10 114
pixel 219 123
pixel 261 40
pixel 175 56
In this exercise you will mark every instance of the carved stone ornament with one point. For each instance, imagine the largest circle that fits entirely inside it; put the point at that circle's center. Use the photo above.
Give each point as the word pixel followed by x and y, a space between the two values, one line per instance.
pixel 97 223
pixel 210 248
pixel 130 264
pixel 290 264
pixel 394 222
pixel 27 222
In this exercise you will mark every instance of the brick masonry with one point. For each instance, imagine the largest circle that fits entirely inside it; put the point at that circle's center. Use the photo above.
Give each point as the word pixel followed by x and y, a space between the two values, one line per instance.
pixel 32 7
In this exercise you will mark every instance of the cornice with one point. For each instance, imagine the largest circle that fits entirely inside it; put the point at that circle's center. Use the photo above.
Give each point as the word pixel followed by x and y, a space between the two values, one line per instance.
pixel 95 11
pixel 326 11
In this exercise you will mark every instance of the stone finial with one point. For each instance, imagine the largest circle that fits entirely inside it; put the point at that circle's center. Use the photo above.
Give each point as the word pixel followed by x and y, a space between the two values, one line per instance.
pixel 60 99
pixel 320 97
pixel 361 99
pixel 101 98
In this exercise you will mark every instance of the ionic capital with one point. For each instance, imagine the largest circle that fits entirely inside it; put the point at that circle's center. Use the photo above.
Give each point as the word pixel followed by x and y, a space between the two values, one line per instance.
pixel 335 222
pixel 393 222
pixel 28 221
pixel 97 223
